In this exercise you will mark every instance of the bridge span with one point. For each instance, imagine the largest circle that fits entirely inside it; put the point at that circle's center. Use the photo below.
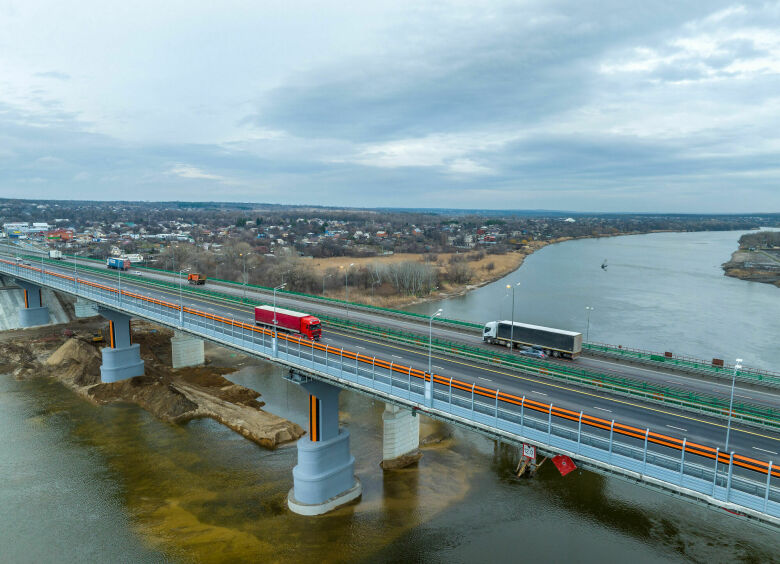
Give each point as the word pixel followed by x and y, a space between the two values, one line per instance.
pixel 664 448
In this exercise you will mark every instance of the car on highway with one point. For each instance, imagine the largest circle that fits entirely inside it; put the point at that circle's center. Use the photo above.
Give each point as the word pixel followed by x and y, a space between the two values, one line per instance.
pixel 532 352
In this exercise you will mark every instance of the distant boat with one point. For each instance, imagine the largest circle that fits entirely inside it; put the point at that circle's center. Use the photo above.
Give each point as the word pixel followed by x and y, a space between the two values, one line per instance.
pixel 604 264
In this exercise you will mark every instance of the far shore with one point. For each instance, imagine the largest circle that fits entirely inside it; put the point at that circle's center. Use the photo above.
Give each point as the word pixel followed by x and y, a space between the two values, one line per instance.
pixel 502 265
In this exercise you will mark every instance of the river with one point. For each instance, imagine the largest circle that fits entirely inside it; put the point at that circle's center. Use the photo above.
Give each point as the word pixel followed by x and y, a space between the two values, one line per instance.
pixel 89 483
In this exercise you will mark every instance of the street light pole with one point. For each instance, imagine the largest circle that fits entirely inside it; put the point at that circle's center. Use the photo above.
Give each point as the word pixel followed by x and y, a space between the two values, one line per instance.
pixel 346 286
pixel 243 299
pixel 587 328
pixel 430 337
pixel 275 289
pixel 181 299
pixel 512 329
pixel 737 366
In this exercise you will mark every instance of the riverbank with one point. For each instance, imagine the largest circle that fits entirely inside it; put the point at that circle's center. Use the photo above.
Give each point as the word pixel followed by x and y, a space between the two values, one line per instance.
pixel 756 265
pixel 174 396
pixel 483 274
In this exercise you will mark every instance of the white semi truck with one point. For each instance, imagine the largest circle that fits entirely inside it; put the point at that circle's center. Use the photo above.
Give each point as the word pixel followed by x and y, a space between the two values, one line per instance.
pixel 553 342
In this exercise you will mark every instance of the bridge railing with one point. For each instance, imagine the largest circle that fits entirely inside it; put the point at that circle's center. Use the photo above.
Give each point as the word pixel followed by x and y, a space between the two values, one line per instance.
pixel 687 363
pixel 669 395
pixel 729 479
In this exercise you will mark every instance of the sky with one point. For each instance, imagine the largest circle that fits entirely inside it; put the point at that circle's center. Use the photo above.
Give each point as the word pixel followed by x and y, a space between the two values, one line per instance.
pixel 614 106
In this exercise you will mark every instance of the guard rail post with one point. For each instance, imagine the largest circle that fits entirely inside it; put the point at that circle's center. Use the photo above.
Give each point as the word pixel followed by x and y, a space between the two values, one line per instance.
pixel 644 453
pixel 768 480
pixel 682 461
pixel 549 422
pixel 611 433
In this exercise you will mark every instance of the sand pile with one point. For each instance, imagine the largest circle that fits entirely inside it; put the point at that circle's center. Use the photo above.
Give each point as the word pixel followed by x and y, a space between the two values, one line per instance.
pixel 171 395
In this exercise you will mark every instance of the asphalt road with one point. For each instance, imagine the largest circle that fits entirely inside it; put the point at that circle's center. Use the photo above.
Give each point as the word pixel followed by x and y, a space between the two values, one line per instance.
pixel 660 377
pixel 764 445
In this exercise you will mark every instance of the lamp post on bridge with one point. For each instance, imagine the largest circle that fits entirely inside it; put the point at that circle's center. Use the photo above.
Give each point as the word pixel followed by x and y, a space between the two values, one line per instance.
pixel 737 366
pixel 587 327
pixel 346 285
pixel 429 384
pixel 275 289
pixel 181 300
pixel 512 329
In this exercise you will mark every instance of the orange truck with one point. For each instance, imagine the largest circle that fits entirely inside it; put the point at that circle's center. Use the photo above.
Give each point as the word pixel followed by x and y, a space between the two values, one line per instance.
pixel 198 279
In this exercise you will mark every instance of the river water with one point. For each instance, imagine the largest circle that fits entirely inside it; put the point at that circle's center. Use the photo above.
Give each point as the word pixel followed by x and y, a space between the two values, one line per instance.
pixel 88 483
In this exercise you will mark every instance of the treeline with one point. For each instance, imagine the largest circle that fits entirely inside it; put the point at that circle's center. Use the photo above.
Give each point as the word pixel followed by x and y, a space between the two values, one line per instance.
pixel 760 240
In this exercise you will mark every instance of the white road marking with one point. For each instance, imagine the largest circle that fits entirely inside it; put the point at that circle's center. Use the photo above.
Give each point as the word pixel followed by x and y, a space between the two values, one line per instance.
pixel 540 393
pixel 741 396
pixel 359 347
pixel 481 378
pixel 678 428
pixel 764 450
pixel 396 356
pixel 602 409
pixel 439 367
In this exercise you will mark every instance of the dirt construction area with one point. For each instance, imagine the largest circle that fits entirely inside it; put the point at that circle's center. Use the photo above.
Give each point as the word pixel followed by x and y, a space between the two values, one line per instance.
pixel 71 354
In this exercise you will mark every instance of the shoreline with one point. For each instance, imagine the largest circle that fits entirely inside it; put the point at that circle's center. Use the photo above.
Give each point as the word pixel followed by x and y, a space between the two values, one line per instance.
pixel 172 396
pixel 400 302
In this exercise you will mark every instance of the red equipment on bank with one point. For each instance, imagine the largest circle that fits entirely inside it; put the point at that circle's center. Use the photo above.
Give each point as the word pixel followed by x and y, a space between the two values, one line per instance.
pixel 289 321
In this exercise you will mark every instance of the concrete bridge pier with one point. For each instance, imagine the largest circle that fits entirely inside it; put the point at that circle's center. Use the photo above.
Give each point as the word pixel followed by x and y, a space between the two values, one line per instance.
pixel 401 437
pixel 122 358
pixel 324 478
pixel 186 350
pixel 34 312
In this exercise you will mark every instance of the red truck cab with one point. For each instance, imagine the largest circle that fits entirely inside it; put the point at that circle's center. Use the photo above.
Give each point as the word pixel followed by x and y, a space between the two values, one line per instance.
pixel 289 321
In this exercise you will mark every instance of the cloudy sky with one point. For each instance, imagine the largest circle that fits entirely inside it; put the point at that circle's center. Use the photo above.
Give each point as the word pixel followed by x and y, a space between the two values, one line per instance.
pixel 620 105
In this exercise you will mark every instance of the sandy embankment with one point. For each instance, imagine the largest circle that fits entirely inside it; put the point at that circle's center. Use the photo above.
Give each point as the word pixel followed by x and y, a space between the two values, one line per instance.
pixel 174 396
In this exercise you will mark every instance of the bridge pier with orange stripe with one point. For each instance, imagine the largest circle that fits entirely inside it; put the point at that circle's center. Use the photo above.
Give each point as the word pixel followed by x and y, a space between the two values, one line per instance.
pixel 121 358
pixel 34 312
pixel 324 477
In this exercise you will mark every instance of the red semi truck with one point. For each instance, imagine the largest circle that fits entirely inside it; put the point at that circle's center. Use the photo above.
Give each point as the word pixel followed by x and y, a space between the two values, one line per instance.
pixel 290 321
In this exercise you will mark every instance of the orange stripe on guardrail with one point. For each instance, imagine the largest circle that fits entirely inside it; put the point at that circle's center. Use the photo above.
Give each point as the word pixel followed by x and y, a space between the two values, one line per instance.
pixel 589 420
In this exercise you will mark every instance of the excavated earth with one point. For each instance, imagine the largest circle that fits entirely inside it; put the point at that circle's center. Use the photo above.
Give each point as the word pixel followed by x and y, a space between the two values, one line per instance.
pixel 175 396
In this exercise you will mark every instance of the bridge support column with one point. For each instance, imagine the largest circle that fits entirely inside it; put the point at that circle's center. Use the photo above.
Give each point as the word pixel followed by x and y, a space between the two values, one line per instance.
pixel 324 478
pixel 122 358
pixel 186 350
pixel 34 312
pixel 401 437
pixel 85 308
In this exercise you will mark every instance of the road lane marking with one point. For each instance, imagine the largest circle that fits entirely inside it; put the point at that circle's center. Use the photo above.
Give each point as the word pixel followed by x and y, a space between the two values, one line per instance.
pixel 225 303
pixel 602 409
pixel 764 450
pixel 540 393
pixel 481 378
pixel 396 356
pixel 678 428
pixel 558 386
pixel 741 396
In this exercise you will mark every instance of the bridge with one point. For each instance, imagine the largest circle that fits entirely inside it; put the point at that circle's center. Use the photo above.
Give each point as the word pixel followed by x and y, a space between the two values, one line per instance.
pixel 674 447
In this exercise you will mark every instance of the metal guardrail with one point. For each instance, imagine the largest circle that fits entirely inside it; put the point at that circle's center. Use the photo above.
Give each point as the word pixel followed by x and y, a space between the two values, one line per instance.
pixel 728 480
pixel 700 403
pixel 314 298
pixel 686 363
pixel 680 398
pixel 680 362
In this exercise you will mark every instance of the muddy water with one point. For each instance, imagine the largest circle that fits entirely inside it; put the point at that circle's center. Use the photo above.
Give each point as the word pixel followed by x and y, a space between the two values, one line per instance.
pixel 96 481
